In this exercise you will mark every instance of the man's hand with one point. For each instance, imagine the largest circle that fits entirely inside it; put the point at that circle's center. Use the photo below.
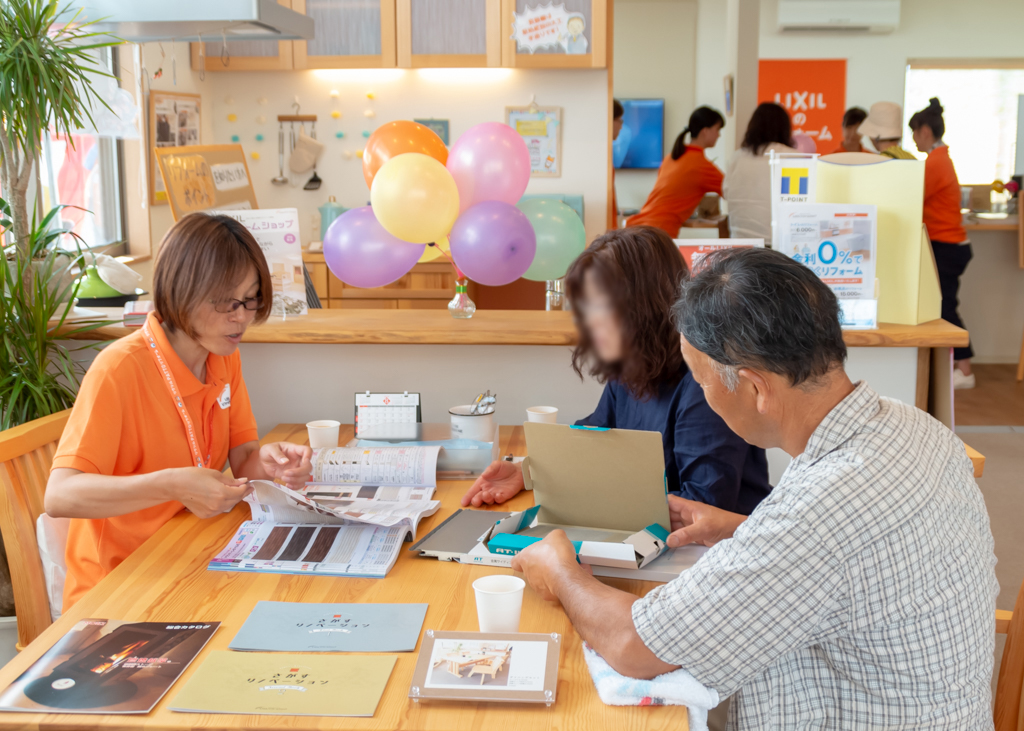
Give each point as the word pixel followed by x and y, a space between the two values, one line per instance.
pixel 694 522
pixel 544 563
pixel 287 462
pixel 205 492
pixel 501 481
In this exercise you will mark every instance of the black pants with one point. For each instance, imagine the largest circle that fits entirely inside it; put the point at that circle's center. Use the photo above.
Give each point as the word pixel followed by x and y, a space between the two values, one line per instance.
pixel 951 260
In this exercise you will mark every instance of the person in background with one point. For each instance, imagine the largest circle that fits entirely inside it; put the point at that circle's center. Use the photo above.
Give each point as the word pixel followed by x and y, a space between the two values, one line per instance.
pixel 685 176
pixel 748 178
pixel 161 411
pixel 621 290
pixel 861 593
pixel 945 225
pixel 884 127
pixel 851 131
pixel 621 135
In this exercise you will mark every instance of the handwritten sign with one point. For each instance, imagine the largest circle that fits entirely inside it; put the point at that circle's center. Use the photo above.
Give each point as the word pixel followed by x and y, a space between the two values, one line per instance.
pixel 549 25
pixel 202 177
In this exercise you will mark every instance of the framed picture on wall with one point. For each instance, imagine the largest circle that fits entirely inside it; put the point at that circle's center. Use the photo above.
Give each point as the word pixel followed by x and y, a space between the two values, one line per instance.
pixel 175 120
pixel 541 130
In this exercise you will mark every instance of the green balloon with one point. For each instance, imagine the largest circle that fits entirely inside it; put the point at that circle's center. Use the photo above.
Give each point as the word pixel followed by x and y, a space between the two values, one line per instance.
pixel 560 237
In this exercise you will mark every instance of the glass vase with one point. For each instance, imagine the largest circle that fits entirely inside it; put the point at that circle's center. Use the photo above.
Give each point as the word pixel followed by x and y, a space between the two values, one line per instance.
pixel 461 307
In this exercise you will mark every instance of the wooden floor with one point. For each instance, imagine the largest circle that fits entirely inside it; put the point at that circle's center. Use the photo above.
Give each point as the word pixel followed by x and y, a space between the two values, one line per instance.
pixel 997 400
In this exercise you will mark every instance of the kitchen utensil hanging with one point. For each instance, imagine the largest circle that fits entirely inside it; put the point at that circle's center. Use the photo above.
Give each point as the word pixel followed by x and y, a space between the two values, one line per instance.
pixel 304 149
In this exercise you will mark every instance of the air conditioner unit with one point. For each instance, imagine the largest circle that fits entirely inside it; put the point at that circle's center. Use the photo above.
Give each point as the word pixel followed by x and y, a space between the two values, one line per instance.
pixel 864 16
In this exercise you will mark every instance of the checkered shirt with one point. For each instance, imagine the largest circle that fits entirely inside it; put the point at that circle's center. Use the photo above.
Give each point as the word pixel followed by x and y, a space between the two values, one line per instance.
pixel 860 594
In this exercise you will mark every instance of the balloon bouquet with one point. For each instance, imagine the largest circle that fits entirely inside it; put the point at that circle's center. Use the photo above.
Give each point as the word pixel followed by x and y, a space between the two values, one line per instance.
pixel 421 193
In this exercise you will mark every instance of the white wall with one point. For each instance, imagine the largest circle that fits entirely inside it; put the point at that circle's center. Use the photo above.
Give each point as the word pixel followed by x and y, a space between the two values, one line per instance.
pixel 655 57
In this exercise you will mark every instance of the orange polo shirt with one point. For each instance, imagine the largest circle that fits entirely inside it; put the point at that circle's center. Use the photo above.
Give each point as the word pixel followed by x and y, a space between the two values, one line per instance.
pixel 125 423
pixel 942 215
pixel 678 191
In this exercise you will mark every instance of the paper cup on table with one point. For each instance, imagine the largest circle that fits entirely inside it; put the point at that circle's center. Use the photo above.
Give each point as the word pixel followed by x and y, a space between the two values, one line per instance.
pixel 477 427
pixel 499 602
pixel 323 433
pixel 543 414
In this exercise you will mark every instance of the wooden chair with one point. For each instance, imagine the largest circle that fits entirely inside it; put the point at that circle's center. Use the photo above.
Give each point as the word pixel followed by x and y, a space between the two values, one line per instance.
pixel 1009 712
pixel 26 453
pixel 492 667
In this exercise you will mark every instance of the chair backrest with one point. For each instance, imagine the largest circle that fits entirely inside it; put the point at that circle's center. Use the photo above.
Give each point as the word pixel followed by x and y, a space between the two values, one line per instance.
pixel 1009 715
pixel 26 453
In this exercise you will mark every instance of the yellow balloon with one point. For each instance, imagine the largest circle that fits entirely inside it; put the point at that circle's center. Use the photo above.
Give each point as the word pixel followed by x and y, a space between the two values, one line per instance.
pixel 433 251
pixel 414 198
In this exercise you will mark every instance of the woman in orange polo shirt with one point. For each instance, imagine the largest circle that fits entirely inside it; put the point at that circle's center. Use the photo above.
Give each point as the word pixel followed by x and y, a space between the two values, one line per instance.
pixel 162 411
pixel 685 176
pixel 945 225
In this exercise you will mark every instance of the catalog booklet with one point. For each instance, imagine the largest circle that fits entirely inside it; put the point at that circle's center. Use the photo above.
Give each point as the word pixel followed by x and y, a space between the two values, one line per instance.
pixel 410 466
pixel 301 627
pixel 286 685
pixel 108 666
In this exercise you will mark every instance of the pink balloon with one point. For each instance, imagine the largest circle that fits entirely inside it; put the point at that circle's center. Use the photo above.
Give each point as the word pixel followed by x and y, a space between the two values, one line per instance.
pixel 361 253
pixel 804 143
pixel 489 162
pixel 493 243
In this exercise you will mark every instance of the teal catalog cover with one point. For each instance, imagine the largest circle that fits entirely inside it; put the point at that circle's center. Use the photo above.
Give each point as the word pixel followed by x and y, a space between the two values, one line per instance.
pixel 299 627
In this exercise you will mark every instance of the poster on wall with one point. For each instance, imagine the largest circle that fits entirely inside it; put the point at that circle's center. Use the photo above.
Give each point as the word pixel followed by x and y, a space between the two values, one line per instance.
pixel 541 129
pixel 276 230
pixel 174 121
pixel 813 91
pixel 550 26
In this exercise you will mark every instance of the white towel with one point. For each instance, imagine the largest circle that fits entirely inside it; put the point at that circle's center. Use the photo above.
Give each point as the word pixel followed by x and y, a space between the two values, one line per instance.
pixel 677 688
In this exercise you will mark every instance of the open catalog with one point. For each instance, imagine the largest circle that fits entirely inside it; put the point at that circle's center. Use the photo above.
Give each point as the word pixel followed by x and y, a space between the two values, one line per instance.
pixel 350 520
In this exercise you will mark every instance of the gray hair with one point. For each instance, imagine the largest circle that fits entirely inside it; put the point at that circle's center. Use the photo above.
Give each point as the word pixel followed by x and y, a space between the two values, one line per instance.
pixel 757 308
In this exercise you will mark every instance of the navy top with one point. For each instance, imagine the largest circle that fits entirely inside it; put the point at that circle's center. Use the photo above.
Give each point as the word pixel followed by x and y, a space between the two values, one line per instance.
pixel 704 459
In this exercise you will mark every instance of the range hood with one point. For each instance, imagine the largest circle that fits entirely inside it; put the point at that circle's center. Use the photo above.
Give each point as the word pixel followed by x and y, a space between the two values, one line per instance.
pixel 142 21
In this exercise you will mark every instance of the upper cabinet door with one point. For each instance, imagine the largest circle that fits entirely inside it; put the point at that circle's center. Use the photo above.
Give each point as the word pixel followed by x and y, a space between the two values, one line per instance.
pixel 446 33
pixel 584 46
pixel 349 34
pixel 214 55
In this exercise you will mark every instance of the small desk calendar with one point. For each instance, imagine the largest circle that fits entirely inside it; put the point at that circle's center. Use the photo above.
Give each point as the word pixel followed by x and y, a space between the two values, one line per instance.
pixel 376 410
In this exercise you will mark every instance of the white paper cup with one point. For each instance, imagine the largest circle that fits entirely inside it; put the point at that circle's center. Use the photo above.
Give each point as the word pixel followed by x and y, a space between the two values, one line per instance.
pixel 323 433
pixel 543 414
pixel 477 427
pixel 499 602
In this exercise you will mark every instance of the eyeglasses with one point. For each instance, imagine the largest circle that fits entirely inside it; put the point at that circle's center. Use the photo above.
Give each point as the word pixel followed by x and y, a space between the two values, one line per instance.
pixel 229 306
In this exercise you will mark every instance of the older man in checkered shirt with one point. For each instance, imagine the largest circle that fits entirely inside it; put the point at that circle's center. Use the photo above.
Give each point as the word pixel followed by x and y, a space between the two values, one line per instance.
pixel 861 593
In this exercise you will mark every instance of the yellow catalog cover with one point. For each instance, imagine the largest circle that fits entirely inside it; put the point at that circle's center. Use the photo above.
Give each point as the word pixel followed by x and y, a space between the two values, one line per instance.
pixel 279 684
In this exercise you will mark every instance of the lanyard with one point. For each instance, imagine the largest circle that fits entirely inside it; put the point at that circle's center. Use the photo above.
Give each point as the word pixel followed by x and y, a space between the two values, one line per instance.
pixel 179 403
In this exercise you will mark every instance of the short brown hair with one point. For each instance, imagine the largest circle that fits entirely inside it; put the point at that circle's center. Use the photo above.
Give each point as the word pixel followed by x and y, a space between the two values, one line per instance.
pixel 642 271
pixel 201 258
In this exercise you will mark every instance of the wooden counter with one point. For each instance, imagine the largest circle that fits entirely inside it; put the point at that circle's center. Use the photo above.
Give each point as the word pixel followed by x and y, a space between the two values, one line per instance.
pixel 501 327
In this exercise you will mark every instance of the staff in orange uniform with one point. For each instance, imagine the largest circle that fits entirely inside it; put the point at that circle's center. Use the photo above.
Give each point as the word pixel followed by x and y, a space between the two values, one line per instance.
pixel 161 411
pixel 685 176
pixel 945 225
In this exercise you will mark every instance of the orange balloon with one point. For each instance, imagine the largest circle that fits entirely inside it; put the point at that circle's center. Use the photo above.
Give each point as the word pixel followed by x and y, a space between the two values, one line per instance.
pixel 396 138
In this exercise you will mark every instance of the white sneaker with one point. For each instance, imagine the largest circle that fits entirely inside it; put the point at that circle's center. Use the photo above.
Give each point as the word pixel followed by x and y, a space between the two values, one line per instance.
pixel 962 382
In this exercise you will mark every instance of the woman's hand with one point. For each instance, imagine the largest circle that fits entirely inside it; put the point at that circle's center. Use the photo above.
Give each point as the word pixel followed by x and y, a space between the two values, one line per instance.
pixel 501 481
pixel 205 492
pixel 694 522
pixel 287 462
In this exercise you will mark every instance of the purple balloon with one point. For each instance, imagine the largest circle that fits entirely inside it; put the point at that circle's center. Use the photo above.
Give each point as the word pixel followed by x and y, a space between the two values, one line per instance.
pixel 493 243
pixel 489 162
pixel 361 253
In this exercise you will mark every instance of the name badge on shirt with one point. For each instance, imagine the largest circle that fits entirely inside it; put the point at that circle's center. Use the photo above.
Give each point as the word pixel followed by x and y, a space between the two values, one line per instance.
pixel 224 400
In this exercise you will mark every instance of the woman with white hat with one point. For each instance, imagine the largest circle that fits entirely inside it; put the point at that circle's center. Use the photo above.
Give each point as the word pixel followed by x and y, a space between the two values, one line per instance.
pixel 884 127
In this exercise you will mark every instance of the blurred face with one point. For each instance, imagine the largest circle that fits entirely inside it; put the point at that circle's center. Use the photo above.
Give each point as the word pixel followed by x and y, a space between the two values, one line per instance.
pixel 924 138
pixel 616 128
pixel 851 135
pixel 601 320
pixel 708 137
pixel 219 323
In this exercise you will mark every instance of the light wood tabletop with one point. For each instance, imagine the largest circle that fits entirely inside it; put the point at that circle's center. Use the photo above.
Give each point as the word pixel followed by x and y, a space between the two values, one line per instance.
pixel 166 579
pixel 493 327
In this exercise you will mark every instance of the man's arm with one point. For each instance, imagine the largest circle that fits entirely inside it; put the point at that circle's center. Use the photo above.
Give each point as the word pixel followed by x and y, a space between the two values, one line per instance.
pixel 600 614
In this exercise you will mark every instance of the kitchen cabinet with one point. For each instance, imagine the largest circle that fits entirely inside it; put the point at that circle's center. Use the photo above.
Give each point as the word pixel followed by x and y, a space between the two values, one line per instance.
pixel 215 55
pixel 594 39
pixel 349 34
pixel 428 286
pixel 448 33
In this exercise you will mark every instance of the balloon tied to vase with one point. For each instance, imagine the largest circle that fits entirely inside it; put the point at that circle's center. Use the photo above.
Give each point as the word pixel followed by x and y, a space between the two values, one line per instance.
pixel 464 203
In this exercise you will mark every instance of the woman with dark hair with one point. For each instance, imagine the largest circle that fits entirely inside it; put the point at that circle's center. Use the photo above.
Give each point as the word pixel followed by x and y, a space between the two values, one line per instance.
pixel 622 289
pixel 685 176
pixel 748 179
pixel 945 225
pixel 162 411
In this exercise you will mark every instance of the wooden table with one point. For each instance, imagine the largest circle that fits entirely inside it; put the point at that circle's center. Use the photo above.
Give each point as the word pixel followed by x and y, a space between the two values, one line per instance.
pixel 166 579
